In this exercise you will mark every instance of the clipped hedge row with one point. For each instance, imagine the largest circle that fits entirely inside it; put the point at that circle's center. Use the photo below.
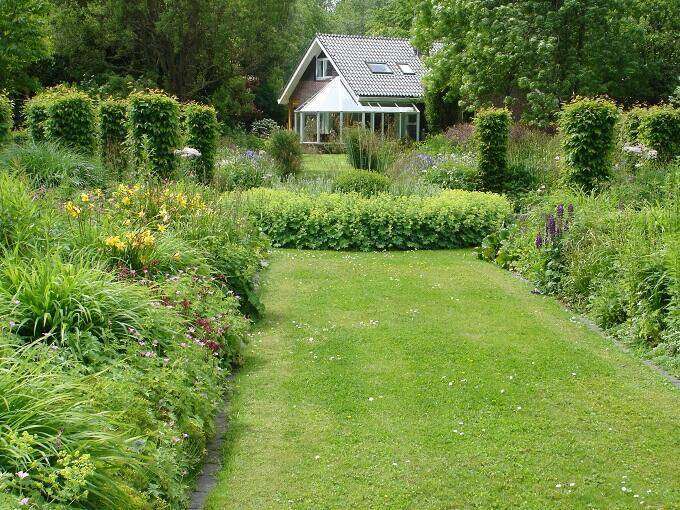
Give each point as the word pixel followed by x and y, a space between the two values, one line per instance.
pixel 452 219
pixel 492 127
pixel 72 121
pixel 202 131
pixel 113 131
pixel 660 130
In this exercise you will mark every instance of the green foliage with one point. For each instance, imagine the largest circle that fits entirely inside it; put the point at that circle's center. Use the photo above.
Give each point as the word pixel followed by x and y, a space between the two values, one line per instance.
pixel 454 171
pixel 366 151
pixel 284 147
pixel 24 25
pixel 6 118
pixel 22 223
pixel 264 127
pixel 629 125
pixel 452 219
pixel 53 165
pixel 587 127
pixel 35 113
pixel 71 121
pixel 243 171
pixel 623 48
pixel 202 131
pixel 492 131
pixel 154 119
pixel 364 182
pixel 660 130
pixel 113 126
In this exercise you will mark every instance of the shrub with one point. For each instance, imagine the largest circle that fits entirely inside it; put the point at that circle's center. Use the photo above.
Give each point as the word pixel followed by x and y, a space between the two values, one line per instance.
pixel 202 132
pixel 587 126
pixel 492 128
pixel 451 219
pixel 454 171
pixel 364 182
pixel 22 223
pixel 154 121
pixel 35 113
pixel 71 121
pixel 660 130
pixel 113 133
pixel 6 118
pixel 284 147
pixel 629 125
pixel 366 151
pixel 243 171
pixel 52 165
pixel 264 127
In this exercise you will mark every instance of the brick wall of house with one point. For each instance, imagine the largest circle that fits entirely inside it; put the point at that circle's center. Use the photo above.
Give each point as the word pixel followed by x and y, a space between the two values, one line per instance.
pixel 308 85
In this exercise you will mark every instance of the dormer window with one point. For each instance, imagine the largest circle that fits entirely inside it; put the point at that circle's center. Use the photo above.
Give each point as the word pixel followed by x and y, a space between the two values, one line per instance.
pixel 379 68
pixel 323 68
pixel 406 69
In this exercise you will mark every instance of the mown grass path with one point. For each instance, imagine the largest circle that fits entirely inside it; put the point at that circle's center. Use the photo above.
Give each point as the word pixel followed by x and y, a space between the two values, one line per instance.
pixel 431 380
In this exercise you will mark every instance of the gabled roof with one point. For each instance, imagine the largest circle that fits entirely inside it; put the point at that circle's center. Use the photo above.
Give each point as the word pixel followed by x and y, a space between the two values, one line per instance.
pixel 350 54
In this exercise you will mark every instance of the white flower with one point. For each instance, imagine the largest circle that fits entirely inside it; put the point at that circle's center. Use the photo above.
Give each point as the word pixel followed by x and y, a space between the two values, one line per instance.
pixel 22 474
pixel 188 152
pixel 23 501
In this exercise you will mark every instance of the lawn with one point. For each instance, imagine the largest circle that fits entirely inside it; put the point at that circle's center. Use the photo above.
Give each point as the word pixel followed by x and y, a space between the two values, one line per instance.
pixel 432 380
pixel 324 165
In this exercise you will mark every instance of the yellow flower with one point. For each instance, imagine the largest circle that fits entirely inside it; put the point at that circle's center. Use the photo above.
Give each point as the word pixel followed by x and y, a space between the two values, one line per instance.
pixel 126 200
pixel 176 256
pixel 84 197
pixel 115 242
pixel 181 199
pixel 72 209
pixel 162 228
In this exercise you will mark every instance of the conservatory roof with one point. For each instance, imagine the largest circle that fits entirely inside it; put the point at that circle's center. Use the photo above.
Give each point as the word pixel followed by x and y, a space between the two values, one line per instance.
pixel 335 97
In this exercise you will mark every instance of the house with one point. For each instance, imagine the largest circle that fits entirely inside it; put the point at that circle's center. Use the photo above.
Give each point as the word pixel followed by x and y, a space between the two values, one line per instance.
pixel 346 80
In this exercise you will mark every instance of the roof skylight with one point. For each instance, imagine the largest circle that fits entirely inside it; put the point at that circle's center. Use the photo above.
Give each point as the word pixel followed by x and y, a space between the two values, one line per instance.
pixel 379 68
pixel 406 69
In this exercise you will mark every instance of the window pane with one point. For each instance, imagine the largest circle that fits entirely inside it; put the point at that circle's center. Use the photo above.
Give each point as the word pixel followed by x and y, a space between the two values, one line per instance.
pixel 379 68
pixel 406 69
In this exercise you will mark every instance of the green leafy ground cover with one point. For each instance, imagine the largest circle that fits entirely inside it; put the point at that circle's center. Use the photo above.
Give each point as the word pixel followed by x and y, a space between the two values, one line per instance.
pixel 432 380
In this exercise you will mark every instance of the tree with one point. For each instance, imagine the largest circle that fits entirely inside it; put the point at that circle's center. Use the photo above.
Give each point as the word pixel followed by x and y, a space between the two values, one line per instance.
pixel 24 40
pixel 532 55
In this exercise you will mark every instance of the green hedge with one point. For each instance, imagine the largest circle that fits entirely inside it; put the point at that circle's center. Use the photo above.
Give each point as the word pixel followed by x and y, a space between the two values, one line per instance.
pixel 72 121
pixel 113 132
pixel 202 130
pixel 364 182
pixel 6 121
pixel 587 126
pixel 154 119
pixel 35 113
pixel 452 219
pixel 660 130
pixel 492 130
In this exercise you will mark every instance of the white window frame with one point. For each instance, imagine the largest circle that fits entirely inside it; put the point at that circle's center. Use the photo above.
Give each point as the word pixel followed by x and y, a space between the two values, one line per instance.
pixel 324 63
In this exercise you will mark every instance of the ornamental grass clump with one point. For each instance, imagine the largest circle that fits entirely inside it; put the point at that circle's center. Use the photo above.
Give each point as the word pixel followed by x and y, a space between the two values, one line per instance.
pixel 285 149
pixel 492 129
pixel 6 118
pixel 71 121
pixel 587 127
pixel 113 133
pixel 660 130
pixel 366 151
pixel 154 119
pixel 202 131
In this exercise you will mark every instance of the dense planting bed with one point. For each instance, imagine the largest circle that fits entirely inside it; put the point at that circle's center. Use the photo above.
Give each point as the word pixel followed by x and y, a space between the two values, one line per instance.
pixel 451 219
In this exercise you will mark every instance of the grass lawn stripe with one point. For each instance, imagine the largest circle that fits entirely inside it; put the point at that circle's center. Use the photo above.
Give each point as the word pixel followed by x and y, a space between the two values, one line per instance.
pixel 431 380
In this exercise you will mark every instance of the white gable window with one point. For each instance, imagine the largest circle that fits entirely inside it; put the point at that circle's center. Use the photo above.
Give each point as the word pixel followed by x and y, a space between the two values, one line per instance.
pixel 406 69
pixel 323 69
pixel 379 68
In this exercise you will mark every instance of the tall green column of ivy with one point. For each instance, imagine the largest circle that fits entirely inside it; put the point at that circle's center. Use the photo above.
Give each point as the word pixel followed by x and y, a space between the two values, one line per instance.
pixel 35 113
pixel 660 130
pixel 72 121
pixel 492 131
pixel 587 127
pixel 202 131
pixel 154 121
pixel 6 118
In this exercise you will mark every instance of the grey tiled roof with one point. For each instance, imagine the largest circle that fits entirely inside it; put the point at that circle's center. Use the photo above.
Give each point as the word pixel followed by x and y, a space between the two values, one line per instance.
pixel 350 53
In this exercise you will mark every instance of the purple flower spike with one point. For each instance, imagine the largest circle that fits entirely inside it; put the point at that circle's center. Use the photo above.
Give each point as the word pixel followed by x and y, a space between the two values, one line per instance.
pixel 570 209
pixel 560 211
pixel 539 241
pixel 551 227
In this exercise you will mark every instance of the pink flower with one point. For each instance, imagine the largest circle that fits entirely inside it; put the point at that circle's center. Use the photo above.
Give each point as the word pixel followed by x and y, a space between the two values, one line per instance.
pixel 22 474
pixel 23 501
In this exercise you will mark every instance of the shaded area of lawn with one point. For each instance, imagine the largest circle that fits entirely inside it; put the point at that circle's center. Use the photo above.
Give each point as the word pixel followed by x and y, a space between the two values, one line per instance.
pixel 431 380
pixel 324 165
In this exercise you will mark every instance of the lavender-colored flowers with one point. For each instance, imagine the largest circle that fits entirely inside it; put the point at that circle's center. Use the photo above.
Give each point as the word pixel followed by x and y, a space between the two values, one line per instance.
pixel 555 225
pixel 539 241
